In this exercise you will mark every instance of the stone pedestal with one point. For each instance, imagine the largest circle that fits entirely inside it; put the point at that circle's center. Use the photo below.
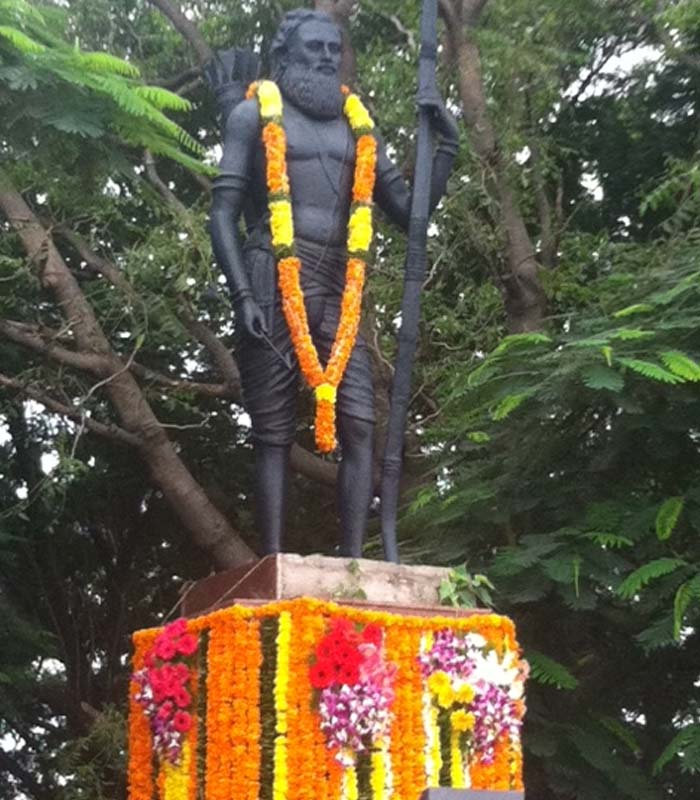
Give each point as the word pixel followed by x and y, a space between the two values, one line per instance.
pixel 302 678
pixel 357 581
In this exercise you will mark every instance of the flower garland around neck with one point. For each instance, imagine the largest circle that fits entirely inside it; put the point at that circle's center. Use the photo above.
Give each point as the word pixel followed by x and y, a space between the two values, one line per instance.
pixel 324 382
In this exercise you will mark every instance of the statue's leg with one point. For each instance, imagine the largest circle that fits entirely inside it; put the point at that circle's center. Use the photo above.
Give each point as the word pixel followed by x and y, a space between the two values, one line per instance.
pixel 355 479
pixel 271 483
pixel 269 394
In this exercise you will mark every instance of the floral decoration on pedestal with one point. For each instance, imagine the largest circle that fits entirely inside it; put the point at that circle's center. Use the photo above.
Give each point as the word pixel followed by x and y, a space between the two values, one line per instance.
pixel 474 700
pixel 164 689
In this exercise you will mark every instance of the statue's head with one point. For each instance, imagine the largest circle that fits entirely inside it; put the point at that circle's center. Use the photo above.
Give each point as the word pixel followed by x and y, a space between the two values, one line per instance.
pixel 305 58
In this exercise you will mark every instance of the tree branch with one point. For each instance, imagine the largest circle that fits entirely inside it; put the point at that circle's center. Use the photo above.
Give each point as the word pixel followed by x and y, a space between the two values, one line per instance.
pixel 187 28
pixel 31 337
pixel 161 187
pixel 75 413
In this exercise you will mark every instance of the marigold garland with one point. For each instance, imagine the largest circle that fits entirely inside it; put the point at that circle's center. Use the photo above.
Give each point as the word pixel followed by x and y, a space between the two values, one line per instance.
pixel 324 382
pixel 233 703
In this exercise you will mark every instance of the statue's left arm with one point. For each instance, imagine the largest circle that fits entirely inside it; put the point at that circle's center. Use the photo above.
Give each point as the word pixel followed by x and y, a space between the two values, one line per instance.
pixel 392 194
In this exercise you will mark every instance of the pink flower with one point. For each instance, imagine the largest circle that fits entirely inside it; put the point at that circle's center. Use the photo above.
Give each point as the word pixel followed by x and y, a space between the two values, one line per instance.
pixel 182 698
pixel 166 710
pixel 176 628
pixel 182 721
pixel 164 648
pixel 186 645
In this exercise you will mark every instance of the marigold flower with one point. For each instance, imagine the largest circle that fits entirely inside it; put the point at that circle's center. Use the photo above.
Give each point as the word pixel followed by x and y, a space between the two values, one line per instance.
pixel 270 100
pixel 360 230
pixel 462 720
pixel 357 114
pixel 281 223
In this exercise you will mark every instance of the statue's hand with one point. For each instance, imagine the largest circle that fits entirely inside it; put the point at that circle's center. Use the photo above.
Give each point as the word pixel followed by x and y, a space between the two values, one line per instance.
pixel 251 318
pixel 441 120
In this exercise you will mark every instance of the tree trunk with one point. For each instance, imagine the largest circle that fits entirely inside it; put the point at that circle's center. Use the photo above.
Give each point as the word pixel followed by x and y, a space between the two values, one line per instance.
pixel 208 527
pixel 521 286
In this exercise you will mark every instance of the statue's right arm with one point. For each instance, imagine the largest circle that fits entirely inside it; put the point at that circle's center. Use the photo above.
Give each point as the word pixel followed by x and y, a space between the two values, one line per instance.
pixel 230 187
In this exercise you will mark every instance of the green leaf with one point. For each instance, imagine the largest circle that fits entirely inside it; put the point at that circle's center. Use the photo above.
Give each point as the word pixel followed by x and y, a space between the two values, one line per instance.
pixel 21 41
pixel 548 672
pixel 681 364
pixel 163 99
pixel 667 517
pixel 637 308
pixel 611 541
pixel 686 593
pixel 518 339
pixel 650 370
pixel 607 354
pixel 478 437
pixel 686 740
pixel 634 582
pixel 508 404
pixel 600 377
pixel 106 62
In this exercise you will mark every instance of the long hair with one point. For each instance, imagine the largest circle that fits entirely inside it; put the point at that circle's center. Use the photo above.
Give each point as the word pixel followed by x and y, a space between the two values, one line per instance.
pixel 291 21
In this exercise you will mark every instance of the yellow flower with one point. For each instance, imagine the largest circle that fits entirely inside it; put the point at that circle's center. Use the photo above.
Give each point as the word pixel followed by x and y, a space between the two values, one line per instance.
pixel 326 391
pixel 270 100
pixel 437 681
pixel 177 777
pixel 464 694
pixel 281 223
pixel 462 720
pixel 357 114
pixel 360 230
pixel 446 697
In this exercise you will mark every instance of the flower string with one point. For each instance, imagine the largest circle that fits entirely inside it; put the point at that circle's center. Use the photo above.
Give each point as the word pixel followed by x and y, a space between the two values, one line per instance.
pixel 324 382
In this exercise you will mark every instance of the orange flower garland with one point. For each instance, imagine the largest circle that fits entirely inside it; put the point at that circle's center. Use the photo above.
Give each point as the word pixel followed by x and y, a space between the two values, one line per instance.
pixel 325 382
pixel 233 705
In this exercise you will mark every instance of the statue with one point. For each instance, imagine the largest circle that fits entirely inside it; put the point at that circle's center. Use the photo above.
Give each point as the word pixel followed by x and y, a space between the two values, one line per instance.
pixel 322 140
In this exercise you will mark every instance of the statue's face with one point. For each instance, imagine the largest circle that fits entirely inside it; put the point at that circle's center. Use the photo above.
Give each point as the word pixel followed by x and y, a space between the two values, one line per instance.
pixel 316 46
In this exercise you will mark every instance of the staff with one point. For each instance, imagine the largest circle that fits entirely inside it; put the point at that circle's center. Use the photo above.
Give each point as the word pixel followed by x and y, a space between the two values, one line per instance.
pixel 416 258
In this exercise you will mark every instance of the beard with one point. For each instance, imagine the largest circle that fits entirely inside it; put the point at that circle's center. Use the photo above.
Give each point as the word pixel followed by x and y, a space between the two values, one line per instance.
pixel 314 93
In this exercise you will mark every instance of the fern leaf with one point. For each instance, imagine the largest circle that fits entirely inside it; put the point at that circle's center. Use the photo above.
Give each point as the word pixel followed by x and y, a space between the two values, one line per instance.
pixel 610 541
pixel 508 405
pixel 163 99
pixel 517 339
pixel 638 579
pixel 632 334
pixel 685 740
pixel 600 377
pixel 681 364
pixel 548 672
pixel 106 62
pixel 637 308
pixel 21 41
pixel 667 517
pixel 650 370
pixel 686 593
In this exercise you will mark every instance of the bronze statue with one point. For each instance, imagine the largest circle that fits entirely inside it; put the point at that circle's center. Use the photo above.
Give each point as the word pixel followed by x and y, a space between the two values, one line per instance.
pixel 305 60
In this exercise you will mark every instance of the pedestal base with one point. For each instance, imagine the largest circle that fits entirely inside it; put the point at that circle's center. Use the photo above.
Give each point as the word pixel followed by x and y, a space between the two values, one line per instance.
pixel 470 794
pixel 281 697
pixel 357 581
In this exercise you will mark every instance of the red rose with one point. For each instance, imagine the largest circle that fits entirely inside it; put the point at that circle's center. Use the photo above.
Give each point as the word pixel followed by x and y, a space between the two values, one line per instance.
pixel 320 675
pixel 182 721
pixel 373 634
pixel 186 644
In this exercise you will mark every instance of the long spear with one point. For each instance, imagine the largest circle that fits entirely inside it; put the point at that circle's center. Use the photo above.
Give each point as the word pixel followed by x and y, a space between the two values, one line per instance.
pixel 416 259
